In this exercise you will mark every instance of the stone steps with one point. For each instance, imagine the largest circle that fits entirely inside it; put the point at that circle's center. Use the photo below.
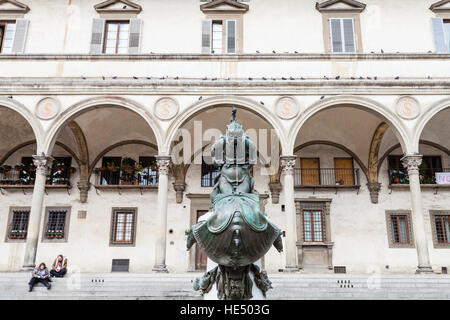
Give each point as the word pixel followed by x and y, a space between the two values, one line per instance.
pixel 179 286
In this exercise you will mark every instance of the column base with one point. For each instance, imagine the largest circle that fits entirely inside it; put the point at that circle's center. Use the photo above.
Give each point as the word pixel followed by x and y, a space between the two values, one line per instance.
pixel 291 269
pixel 28 267
pixel 160 269
pixel 424 270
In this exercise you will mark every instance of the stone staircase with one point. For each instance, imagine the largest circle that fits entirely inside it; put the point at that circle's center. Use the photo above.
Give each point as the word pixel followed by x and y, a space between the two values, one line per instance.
pixel 178 286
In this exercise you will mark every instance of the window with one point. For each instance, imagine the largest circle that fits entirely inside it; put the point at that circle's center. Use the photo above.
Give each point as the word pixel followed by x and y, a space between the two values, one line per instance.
pixel 440 221
pixel 56 226
pixel 148 175
pixel 313 226
pixel 111 173
pixel 117 37
pixel 60 173
pixel 217 35
pixel 442 229
pixel 441 31
pixel 7 32
pixel 399 229
pixel 342 35
pixel 209 172
pixel 18 224
pixel 428 168
pixel 123 226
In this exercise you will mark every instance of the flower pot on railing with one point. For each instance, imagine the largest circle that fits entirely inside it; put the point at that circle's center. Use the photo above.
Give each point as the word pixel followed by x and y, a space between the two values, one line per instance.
pixel 50 235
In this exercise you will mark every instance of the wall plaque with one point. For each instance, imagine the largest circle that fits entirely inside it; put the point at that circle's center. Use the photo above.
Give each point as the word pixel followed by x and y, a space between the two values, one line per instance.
pixel 166 108
pixel 47 108
pixel 407 108
pixel 286 108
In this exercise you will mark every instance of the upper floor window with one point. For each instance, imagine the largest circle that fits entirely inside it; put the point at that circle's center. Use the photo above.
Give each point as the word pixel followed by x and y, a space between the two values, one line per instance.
pixel 209 173
pixel 222 30
pixel 341 25
pixel 7 32
pixel 117 37
pixel 441 31
pixel 428 168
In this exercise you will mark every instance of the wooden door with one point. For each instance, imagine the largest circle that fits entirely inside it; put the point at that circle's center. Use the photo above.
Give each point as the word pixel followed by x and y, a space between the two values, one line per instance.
pixel 310 171
pixel 343 171
pixel 200 257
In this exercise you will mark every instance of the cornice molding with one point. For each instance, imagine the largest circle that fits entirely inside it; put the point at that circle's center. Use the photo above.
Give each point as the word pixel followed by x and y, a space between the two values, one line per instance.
pixel 441 6
pixel 14 7
pixel 340 6
pixel 126 7
pixel 224 6
pixel 228 57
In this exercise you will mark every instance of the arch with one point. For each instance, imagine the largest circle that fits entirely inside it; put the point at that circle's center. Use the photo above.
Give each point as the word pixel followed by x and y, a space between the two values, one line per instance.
pixel 240 102
pixel 114 146
pixel 336 145
pixel 354 102
pixel 30 142
pixel 28 116
pixel 426 117
pixel 99 102
pixel 425 142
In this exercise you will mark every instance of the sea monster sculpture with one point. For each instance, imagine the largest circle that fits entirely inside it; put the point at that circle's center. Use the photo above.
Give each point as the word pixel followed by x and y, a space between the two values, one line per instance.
pixel 236 234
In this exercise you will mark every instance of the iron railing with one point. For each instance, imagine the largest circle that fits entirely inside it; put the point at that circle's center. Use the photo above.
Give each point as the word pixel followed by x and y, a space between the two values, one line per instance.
pixel 27 176
pixel 426 175
pixel 124 176
pixel 326 177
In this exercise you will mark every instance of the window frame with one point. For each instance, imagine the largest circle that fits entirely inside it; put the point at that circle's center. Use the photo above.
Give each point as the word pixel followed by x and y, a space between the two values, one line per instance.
pixel 322 223
pixel 4 24
pixel 113 227
pixel 210 173
pixel 357 34
pixel 105 35
pixel 436 243
pixel 409 222
pixel 66 224
pixel 239 32
pixel 10 220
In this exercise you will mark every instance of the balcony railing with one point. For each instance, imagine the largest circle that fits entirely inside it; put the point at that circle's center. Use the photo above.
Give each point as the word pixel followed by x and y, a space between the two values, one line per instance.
pixel 426 176
pixel 326 177
pixel 22 175
pixel 125 176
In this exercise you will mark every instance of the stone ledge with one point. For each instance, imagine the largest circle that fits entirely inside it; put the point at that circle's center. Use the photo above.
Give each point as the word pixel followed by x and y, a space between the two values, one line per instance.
pixel 227 57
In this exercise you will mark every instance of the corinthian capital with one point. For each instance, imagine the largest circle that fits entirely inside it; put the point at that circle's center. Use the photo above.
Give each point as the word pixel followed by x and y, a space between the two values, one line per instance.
pixel 43 163
pixel 412 163
pixel 288 164
pixel 163 164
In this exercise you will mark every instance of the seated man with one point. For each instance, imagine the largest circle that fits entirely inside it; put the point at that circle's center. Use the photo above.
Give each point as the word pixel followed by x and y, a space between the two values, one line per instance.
pixel 40 274
pixel 59 267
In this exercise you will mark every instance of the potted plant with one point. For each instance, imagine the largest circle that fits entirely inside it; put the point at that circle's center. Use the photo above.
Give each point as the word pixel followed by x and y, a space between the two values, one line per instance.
pixel 72 170
pixel 6 168
pixel 50 234
pixel 128 165
pixel 59 235
pixel 13 234
pixel 111 166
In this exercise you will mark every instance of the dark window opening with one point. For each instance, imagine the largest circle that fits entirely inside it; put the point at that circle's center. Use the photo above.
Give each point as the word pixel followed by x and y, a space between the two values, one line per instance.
pixel 56 224
pixel 19 224
pixel 209 172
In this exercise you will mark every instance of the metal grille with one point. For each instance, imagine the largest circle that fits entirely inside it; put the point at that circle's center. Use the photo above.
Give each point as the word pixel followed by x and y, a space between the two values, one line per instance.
pixel 209 174
pixel 340 269
pixel 56 224
pixel 442 228
pixel 120 265
pixel 444 270
pixel 400 232
pixel 19 224
pixel 313 226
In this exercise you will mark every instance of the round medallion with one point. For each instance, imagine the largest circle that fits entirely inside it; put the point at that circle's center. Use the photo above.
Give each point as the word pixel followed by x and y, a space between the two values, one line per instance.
pixel 47 108
pixel 166 108
pixel 286 108
pixel 407 108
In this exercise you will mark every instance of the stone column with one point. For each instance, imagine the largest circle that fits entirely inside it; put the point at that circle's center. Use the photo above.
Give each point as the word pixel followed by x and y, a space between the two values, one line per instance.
pixel 161 219
pixel 288 164
pixel 43 164
pixel 412 163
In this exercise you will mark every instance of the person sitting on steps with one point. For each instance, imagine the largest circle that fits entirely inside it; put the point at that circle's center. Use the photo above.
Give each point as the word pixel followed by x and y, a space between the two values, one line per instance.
pixel 59 267
pixel 40 274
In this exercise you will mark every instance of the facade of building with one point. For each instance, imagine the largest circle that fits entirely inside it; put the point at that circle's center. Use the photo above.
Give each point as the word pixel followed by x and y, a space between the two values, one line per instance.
pixel 348 103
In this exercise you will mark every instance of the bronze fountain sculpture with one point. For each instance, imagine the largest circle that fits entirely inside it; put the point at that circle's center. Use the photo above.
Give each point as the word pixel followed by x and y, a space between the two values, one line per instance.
pixel 236 234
